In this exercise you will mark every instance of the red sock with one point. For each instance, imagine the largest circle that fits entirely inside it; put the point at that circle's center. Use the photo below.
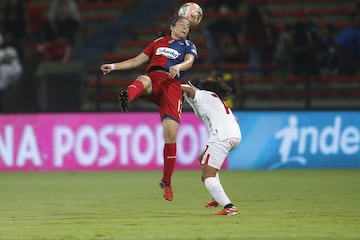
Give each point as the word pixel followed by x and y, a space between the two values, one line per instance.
pixel 135 89
pixel 169 161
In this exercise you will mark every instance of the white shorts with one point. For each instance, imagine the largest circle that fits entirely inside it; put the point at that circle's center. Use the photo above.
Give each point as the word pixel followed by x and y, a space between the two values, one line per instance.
pixel 215 153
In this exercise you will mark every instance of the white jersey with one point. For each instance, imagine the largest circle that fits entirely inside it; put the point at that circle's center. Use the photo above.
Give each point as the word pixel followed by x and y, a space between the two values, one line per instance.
pixel 218 118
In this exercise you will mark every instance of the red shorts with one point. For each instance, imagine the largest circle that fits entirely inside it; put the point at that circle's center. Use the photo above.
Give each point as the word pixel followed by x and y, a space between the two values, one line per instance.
pixel 166 94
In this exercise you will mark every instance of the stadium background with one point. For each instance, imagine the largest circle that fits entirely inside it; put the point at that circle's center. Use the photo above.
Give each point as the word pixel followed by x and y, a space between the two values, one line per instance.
pixel 73 167
pixel 115 30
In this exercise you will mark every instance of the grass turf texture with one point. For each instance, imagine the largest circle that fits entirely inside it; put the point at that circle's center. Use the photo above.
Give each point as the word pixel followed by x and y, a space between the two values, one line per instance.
pixel 286 204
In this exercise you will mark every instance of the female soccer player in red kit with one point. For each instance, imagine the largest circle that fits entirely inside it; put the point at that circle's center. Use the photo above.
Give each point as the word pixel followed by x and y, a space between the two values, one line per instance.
pixel 168 56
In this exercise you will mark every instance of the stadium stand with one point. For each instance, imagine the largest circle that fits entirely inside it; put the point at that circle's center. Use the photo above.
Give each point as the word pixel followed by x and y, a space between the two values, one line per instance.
pixel 301 92
pixel 114 31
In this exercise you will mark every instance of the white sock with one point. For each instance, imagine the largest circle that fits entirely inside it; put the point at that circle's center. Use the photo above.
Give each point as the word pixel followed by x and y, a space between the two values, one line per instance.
pixel 216 191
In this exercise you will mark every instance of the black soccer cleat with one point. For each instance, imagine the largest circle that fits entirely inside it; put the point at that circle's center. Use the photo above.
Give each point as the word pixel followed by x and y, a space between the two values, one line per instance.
pixel 124 101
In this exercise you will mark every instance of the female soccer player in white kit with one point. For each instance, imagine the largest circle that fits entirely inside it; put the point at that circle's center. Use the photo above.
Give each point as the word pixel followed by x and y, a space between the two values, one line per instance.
pixel 206 97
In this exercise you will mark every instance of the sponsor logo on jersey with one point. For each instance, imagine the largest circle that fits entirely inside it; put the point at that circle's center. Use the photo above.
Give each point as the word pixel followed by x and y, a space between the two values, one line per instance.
pixel 167 52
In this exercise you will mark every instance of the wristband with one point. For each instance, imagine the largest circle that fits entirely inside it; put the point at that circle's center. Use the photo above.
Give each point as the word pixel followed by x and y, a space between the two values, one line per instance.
pixel 112 66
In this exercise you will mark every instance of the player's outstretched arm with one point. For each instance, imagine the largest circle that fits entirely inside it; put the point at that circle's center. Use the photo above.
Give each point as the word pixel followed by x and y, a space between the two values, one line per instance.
pixel 126 64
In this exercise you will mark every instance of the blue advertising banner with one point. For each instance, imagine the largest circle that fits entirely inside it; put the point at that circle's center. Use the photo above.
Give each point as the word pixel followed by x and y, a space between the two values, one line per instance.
pixel 276 140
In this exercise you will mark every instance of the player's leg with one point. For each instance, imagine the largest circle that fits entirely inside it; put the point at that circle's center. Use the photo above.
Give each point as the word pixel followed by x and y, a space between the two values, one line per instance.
pixel 214 186
pixel 170 129
pixel 213 203
pixel 142 85
pixel 170 106
pixel 212 160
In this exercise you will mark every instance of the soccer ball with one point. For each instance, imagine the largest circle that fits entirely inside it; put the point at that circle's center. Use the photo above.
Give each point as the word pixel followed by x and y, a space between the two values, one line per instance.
pixel 192 11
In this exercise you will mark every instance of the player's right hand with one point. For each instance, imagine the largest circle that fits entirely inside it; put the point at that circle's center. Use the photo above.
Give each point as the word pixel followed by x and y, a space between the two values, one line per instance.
pixel 106 68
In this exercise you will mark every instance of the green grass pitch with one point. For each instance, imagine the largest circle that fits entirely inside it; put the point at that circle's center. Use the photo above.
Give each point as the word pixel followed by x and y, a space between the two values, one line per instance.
pixel 283 204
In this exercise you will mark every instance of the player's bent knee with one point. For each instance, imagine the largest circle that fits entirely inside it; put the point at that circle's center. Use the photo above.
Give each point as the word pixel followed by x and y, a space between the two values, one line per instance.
pixel 146 81
pixel 208 173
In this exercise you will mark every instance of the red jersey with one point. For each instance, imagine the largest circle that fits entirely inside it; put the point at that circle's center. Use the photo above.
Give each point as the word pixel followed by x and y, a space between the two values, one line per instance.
pixel 165 52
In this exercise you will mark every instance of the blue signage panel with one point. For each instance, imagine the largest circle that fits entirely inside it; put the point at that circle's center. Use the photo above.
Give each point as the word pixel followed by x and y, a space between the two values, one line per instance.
pixel 275 140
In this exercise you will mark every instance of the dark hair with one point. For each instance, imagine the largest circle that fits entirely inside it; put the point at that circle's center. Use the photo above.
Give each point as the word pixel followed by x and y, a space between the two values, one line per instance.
pixel 219 87
pixel 173 22
pixel 175 19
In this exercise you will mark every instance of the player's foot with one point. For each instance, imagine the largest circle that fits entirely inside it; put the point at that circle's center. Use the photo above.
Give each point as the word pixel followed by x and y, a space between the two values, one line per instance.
pixel 211 204
pixel 231 211
pixel 168 195
pixel 124 101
